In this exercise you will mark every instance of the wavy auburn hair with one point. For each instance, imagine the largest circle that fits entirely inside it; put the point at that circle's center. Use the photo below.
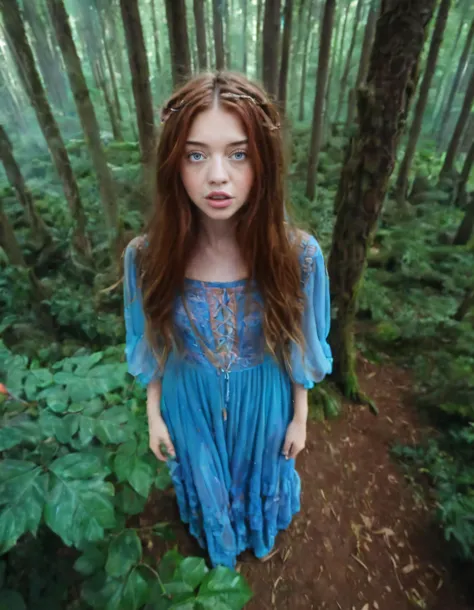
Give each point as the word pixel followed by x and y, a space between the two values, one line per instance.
pixel 269 248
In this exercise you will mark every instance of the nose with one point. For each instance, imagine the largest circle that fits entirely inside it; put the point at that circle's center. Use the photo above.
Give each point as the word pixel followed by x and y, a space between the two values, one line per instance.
pixel 217 170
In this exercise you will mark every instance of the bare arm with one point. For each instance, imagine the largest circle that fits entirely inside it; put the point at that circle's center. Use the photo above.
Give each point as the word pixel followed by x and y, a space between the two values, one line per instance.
pixel 157 429
pixel 300 398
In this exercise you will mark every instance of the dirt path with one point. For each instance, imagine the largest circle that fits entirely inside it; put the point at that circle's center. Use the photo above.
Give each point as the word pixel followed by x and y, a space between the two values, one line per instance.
pixel 361 540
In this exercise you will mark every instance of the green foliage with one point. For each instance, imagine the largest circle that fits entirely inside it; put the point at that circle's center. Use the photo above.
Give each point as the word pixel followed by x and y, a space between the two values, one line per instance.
pixel 76 461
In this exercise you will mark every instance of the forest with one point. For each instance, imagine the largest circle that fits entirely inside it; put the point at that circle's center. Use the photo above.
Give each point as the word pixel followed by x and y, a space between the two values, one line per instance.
pixel 376 97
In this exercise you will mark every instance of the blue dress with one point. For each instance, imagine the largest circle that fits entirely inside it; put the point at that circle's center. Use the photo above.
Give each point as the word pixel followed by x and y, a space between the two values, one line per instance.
pixel 228 422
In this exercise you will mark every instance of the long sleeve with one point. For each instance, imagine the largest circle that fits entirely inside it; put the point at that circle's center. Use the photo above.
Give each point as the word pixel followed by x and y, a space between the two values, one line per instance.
pixel 141 361
pixel 312 363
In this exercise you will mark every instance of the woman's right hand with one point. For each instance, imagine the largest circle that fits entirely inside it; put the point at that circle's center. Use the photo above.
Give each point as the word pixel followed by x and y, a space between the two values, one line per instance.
pixel 159 435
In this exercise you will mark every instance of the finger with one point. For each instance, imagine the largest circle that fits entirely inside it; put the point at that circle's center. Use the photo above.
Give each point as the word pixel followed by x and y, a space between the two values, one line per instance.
pixel 170 449
pixel 287 449
pixel 157 452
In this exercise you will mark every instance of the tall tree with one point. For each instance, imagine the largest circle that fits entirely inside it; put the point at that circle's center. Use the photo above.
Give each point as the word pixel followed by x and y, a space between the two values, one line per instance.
pixel 461 196
pixel 297 51
pixel 245 7
pixel 218 26
pixel 458 130
pixel 271 46
pixel 318 109
pixel 443 116
pixel 87 115
pixel 179 40
pixel 285 53
pixel 227 35
pixel 39 230
pixel 466 228
pixel 15 29
pixel 347 67
pixel 200 20
pixel 383 107
pixel 49 67
pixel 258 39
pixel 156 38
pixel 138 61
pixel 364 60
pixel 415 129
pixel 8 240
pixel 307 53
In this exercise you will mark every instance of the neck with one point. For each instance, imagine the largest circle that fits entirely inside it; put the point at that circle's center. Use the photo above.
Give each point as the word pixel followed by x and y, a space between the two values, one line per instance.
pixel 216 233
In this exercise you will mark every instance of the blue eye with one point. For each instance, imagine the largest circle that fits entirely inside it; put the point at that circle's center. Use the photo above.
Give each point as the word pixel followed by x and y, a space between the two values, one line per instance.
pixel 190 156
pixel 241 152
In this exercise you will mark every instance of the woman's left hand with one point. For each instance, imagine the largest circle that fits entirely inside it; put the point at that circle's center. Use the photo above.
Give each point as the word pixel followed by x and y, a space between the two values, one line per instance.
pixel 295 439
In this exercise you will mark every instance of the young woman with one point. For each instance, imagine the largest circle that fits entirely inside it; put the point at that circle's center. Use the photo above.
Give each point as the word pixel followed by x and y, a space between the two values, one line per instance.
pixel 227 317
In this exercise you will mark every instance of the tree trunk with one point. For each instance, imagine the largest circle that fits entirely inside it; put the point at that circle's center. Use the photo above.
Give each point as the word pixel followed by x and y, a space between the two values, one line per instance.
pixel 138 61
pixel 245 6
pixel 11 111
pixel 87 116
pixel 440 89
pixel 318 110
pixel 443 116
pixel 8 240
pixel 364 61
pixel 295 72
pixel 227 35
pixel 218 27
pixel 179 41
pixel 271 46
pixel 461 196
pixel 156 41
pixel 285 54
pixel 258 40
pixel 110 67
pixel 308 51
pixel 415 129
pixel 332 63
pixel 383 106
pixel 200 19
pixel 347 66
pixel 460 125
pixel 30 78
pixel 39 230
pixel 49 68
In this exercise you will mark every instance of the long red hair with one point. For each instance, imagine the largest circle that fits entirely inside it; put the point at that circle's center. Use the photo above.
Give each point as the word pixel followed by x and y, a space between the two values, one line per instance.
pixel 269 247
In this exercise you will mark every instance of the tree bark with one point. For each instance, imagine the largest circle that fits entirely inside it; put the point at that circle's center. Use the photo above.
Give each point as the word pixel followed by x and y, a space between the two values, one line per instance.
pixel 87 116
pixel 245 6
pixel 383 106
pixel 465 305
pixel 295 71
pixel 318 110
pixel 138 61
pixel 347 66
pixel 8 240
pixel 285 53
pixel 110 67
pixel 460 125
pixel 179 41
pixel 460 198
pixel 401 186
pixel 218 27
pixel 445 110
pixel 200 20
pixel 332 63
pixel 227 35
pixel 364 61
pixel 258 40
pixel 30 78
pixel 271 46
pixel 39 230
pixel 156 40
pixel 308 52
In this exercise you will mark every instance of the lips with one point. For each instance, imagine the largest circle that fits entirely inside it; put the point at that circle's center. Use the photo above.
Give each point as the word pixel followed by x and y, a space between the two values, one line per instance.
pixel 218 196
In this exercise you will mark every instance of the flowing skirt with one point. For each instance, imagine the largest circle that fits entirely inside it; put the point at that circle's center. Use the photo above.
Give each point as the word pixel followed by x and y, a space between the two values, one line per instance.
pixel 234 487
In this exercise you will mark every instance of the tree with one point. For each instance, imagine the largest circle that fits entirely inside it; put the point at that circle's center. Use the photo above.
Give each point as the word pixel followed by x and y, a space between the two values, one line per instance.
pixel 179 41
pixel 458 131
pixel 30 78
pixel 245 7
pixel 445 110
pixel 218 24
pixel 200 20
pixel 285 53
pixel 140 75
pixel 87 115
pixel 415 129
pixel 258 39
pixel 364 60
pixel 318 109
pixel 39 230
pixel 465 229
pixel 307 52
pixel 156 41
pixel 297 52
pixel 464 177
pixel 383 106
pixel 271 46
pixel 347 67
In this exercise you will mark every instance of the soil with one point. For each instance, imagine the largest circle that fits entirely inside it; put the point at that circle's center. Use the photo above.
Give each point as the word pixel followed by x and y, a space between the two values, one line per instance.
pixel 364 539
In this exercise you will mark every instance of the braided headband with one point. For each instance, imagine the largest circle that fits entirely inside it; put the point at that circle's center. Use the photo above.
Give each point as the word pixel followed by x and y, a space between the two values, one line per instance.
pixel 167 111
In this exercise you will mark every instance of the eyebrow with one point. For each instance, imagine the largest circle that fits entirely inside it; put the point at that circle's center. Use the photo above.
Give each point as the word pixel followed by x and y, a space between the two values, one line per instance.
pixel 204 145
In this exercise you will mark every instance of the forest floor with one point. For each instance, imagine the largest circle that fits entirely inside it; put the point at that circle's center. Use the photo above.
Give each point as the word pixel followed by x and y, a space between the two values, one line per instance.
pixel 364 539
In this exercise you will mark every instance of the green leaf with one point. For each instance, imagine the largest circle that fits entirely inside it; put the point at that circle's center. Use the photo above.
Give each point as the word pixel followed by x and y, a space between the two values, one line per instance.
pixel 56 398
pixel 125 551
pixel 135 470
pixel 43 378
pixel 92 560
pixel 9 437
pixel 11 600
pixel 110 425
pixel 193 570
pixel 136 591
pixel 78 466
pixel 129 502
pixel 168 565
pixel 22 493
pixel 223 589
pixel 80 510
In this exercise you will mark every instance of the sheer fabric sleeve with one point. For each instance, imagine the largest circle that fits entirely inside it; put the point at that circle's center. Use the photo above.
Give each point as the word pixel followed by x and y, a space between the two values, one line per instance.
pixel 310 364
pixel 141 361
